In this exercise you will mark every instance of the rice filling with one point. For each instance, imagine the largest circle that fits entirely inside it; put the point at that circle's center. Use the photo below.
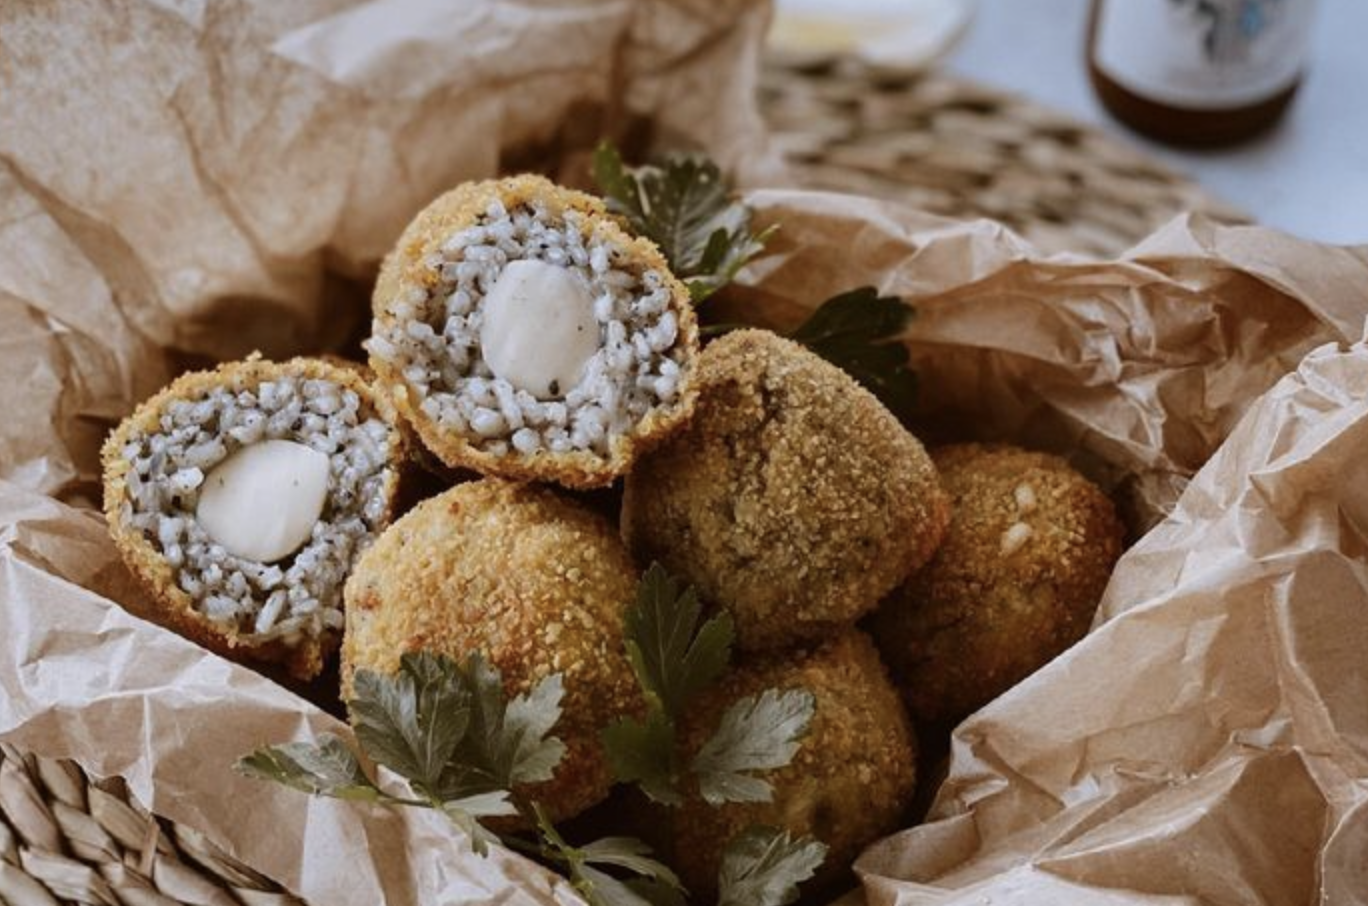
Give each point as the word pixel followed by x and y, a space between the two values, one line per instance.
pixel 434 339
pixel 300 595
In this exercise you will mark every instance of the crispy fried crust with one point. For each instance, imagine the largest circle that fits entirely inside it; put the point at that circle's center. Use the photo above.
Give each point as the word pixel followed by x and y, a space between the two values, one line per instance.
pixel 997 601
pixel 536 583
pixel 794 498
pixel 850 782
pixel 172 607
pixel 404 269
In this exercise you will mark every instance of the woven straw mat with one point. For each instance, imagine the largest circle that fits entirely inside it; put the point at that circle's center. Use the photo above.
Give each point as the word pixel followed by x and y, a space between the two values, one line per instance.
pixel 946 146
pixel 961 150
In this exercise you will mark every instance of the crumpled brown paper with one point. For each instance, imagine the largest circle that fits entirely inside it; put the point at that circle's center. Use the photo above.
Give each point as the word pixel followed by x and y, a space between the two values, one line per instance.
pixel 1136 369
pixel 203 177
pixel 190 180
pixel 1207 743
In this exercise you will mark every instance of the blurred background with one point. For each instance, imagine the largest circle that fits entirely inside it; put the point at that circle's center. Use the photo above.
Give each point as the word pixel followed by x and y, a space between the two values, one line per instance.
pixel 1308 175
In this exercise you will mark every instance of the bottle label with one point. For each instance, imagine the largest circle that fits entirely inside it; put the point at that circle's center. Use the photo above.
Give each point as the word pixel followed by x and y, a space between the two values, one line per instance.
pixel 1203 54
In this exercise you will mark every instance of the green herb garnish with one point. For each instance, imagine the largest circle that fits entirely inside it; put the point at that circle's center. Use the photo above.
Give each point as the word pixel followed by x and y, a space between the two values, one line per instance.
pixel 685 207
pixel 766 865
pixel 326 769
pixel 856 331
pixel 462 746
pixel 675 659
pixel 757 733
pixel 448 729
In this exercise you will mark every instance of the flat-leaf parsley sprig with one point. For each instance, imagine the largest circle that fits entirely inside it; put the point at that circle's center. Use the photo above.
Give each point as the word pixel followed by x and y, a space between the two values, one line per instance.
pixel 464 748
pixel 685 206
pixel 675 658
pixel 447 729
pixel 857 331
pixel 461 746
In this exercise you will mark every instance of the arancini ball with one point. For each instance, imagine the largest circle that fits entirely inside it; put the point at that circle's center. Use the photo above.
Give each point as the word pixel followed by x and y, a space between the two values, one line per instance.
pixel 534 582
pixel 523 333
pixel 850 782
pixel 794 499
pixel 1030 549
pixel 241 496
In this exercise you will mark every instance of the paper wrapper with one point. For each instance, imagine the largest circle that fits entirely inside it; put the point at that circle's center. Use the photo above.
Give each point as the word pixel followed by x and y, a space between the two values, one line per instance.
pixel 185 181
pixel 199 179
pixel 206 177
pixel 1207 743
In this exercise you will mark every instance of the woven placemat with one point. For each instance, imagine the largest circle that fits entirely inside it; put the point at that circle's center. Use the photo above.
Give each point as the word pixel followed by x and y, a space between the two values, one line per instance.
pixel 962 150
pixel 942 144
pixel 66 839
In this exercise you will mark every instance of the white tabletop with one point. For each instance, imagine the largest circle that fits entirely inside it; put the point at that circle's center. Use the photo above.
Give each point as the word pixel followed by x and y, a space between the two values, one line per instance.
pixel 1308 177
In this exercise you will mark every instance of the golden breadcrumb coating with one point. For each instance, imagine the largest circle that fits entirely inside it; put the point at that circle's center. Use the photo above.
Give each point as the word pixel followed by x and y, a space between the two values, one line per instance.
pixel 534 582
pixel 850 782
pixel 405 268
pixel 794 498
pixel 1030 549
pixel 170 605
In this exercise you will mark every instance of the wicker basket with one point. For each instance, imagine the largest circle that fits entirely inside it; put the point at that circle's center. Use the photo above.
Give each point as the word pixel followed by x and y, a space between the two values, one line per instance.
pixel 949 147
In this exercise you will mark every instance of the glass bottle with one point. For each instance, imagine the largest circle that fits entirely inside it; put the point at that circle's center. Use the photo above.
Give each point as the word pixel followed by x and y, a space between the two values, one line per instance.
pixel 1198 72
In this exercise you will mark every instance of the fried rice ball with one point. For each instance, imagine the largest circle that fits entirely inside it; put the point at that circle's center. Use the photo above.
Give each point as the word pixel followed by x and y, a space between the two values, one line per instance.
pixel 240 497
pixel 794 499
pixel 1030 549
pixel 850 782
pixel 524 334
pixel 534 582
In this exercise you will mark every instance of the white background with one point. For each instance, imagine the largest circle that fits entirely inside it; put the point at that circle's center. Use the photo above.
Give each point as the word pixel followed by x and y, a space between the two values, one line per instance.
pixel 1309 176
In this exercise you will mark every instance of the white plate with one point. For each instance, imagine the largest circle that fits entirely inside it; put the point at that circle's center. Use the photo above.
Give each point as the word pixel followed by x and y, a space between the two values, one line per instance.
pixel 905 34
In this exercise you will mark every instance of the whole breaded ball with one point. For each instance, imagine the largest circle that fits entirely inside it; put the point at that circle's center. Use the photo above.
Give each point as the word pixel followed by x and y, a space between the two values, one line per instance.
pixel 534 582
pixel 794 499
pixel 850 782
pixel 1030 549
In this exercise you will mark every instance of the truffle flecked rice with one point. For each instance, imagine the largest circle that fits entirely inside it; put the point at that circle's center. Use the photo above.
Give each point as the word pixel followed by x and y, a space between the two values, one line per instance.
pixel 156 464
pixel 426 340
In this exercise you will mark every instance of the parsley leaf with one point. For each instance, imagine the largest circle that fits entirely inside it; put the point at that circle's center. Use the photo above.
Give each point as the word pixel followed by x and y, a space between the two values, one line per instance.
pixel 629 853
pixel 757 733
pixel 507 742
pixel 683 206
pixel 856 331
pixel 450 731
pixel 643 752
pixel 763 866
pixel 465 813
pixel 410 722
pixel 673 659
pixel 327 769
pixel 654 884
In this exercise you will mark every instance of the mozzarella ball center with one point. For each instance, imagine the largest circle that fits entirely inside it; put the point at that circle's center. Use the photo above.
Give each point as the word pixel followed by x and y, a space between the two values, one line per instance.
pixel 538 329
pixel 262 502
